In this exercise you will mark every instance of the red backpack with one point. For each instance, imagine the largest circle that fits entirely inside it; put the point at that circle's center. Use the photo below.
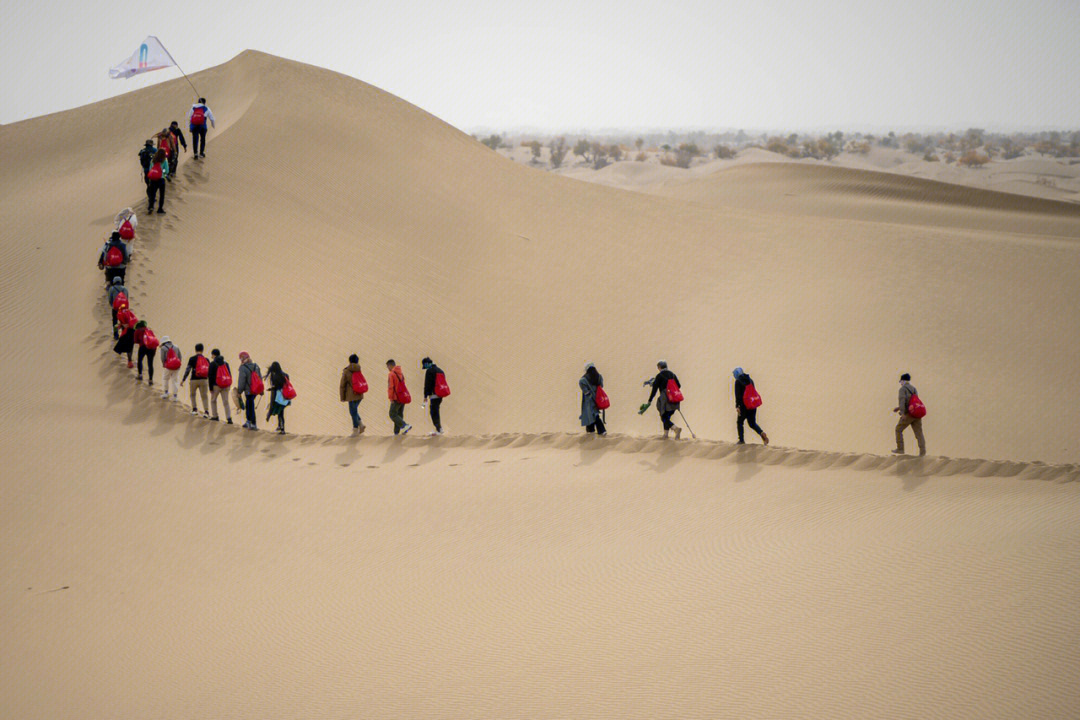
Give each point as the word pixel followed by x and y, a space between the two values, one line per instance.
pixel 198 116
pixel 154 173
pixel 750 397
pixel 442 389
pixel 125 317
pixel 288 391
pixel 401 392
pixel 674 392
pixel 256 387
pixel 603 402
pixel 150 340
pixel 172 360
pixel 114 256
pixel 127 231
pixel 120 301
pixel 202 366
pixel 222 378
pixel 915 407
pixel 359 383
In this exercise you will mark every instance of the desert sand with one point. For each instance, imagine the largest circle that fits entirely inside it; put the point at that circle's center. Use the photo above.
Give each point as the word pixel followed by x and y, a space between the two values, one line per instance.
pixel 157 565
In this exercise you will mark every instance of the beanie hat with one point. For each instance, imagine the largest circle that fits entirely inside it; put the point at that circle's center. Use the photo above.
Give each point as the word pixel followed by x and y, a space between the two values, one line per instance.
pixel 737 372
pixel 244 356
pixel 117 280
pixel 149 143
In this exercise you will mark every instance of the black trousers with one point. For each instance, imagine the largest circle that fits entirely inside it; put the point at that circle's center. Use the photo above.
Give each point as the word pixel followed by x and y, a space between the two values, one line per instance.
pixel 750 418
pixel 115 272
pixel 149 355
pixel 249 409
pixel 597 426
pixel 198 140
pixel 436 418
pixel 154 188
pixel 115 332
pixel 665 417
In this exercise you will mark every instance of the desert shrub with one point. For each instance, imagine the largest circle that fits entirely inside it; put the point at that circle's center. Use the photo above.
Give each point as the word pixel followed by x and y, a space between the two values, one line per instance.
pixel 679 158
pixel 973 159
pixel 638 143
pixel 863 148
pixel 777 145
pixel 641 157
pixel 949 157
pixel 665 147
pixel 930 156
pixel 493 141
pixel 558 151
pixel 581 149
pixel 536 148
pixel 690 148
pixel 599 155
pixel 723 152
pixel 615 152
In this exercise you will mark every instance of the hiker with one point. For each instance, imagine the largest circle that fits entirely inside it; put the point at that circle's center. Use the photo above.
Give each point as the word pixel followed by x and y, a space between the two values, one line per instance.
pixel 197 117
pixel 148 344
pixel 115 290
pixel 155 176
pixel 170 363
pixel 590 383
pixel 746 405
pixel 220 378
pixel 165 141
pixel 399 397
pixel 114 258
pixel 125 345
pixel 278 402
pixel 146 156
pixel 178 141
pixel 198 367
pixel 351 390
pixel 127 215
pixel 435 389
pixel 911 410
pixel 667 385
pixel 249 385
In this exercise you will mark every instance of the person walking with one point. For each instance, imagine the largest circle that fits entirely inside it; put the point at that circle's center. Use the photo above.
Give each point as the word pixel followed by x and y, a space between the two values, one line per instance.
pixel 146 156
pixel 746 405
pixel 278 402
pixel 165 141
pixel 197 118
pixel 147 343
pixel 155 176
pixel 128 216
pixel 911 414
pixel 112 293
pixel 248 381
pixel 664 404
pixel 591 382
pixel 198 367
pixel 170 364
pixel 399 397
pixel 125 344
pixel 114 258
pixel 351 390
pixel 433 385
pixel 220 378
pixel 178 141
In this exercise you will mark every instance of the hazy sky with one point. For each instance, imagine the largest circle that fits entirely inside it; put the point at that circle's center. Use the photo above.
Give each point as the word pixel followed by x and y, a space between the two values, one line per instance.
pixel 589 65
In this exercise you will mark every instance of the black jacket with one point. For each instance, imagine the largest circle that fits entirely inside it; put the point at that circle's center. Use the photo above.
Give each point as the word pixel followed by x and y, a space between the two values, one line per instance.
pixel 659 383
pixel 214 365
pixel 146 156
pixel 740 386
pixel 190 369
pixel 116 243
pixel 179 135
pixel 429 380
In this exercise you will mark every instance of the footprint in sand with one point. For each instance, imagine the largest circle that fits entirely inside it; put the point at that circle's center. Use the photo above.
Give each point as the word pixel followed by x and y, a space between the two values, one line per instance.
pixel 311 463
pixel 414 464
pixel 488 462
pixel 373 467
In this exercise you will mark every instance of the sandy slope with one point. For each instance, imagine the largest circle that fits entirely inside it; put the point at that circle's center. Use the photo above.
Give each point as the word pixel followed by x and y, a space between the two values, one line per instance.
pixel 158 566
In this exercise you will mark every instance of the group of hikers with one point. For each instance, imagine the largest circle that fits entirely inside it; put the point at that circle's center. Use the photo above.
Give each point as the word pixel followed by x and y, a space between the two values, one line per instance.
pixel 160 155
pixel 210 378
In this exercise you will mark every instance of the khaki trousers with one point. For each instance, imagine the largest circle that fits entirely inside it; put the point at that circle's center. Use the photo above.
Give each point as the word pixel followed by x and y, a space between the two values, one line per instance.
pixel 224 393
pixel 916 425
pixel 200 384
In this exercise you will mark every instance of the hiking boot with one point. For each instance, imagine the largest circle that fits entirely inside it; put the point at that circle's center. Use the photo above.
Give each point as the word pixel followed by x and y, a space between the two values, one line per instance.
pixel 360 430
pixel 202 154
pixel 161 211
pixel 666 431
pixel 164 396
pixel 405 430
pixel 138 379
pixel 229 421
pixel 922 453
pixel 764 439
pixel 281 431
pixel 130 364
pixel 194 411
pixel 898 451
pixel 678 432
pixel 151 208
pixel 214 418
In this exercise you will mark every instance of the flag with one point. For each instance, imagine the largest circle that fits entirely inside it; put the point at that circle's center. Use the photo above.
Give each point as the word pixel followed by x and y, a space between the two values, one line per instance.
pixel 151 55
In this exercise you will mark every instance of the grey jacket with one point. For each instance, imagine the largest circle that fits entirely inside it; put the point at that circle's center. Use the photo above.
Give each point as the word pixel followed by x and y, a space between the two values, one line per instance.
pixel 164 348
pixel 243 380
pixel 589 412
pixel 115 290
pixel 906 391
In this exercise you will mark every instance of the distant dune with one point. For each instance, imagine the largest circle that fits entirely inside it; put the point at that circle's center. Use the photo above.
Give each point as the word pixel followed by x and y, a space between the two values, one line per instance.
pixel 159 565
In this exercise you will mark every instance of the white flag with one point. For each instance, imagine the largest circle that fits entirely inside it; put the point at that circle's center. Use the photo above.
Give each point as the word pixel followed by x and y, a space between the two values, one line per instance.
pixel 151 55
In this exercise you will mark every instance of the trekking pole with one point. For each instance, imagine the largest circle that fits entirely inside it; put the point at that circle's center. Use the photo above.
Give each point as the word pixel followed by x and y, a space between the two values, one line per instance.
pixel 687 424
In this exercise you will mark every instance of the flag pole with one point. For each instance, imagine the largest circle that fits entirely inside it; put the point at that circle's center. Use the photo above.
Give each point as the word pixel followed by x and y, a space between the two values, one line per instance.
pixel 178 66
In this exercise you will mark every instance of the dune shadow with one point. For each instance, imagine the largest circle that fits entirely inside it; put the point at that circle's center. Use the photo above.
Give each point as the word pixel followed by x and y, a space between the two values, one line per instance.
pixel 746 465
pixel 193 434
pixel 913 471
pixel 666 458
pixel 350 453
pixel 432 453
pixel 244 447
pixel 395 450
pixel 592 448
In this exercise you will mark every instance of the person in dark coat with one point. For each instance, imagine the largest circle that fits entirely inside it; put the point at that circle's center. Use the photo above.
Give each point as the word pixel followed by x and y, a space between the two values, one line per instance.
pixel 146 156
pixel 126 344
pixel 277 377
pixel 665 407
pixel 431 372
pixel 746 415
pixel 590 417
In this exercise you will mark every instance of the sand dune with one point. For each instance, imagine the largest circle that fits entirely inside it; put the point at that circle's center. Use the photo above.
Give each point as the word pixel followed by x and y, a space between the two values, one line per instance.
pixel 159 565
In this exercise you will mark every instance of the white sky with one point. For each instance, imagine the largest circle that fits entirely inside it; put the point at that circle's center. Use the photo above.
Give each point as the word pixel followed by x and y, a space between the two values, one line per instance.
pixel 549 64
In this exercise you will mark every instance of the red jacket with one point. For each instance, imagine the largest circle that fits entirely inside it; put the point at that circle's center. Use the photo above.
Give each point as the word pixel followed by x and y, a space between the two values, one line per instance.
pixel 395 378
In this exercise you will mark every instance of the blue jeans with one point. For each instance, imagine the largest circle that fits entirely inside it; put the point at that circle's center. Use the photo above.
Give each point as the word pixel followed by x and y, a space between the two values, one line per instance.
pixel 354 406
pixel 249 409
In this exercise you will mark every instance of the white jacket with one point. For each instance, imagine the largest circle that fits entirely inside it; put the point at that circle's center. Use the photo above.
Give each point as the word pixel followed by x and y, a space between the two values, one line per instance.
pixel 209 114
